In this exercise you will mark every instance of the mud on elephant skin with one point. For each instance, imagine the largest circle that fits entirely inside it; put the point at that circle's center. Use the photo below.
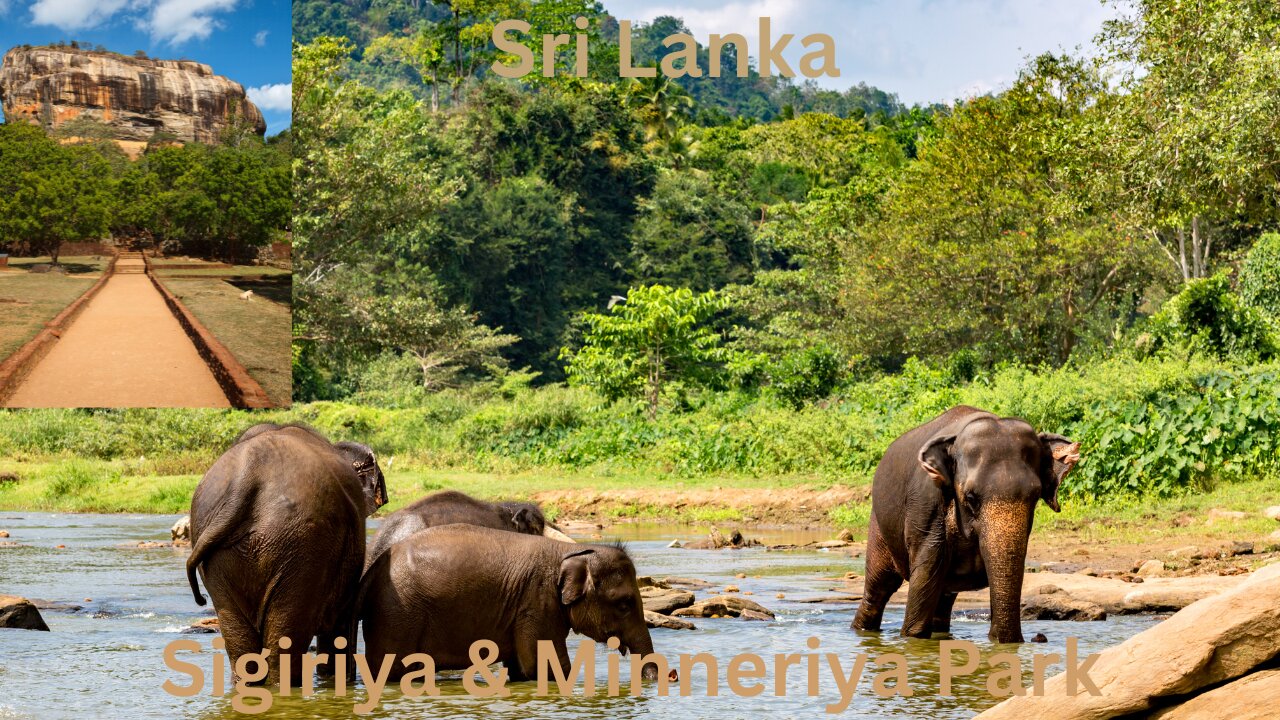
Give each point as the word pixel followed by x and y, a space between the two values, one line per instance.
pixel 952 505
pixel 444 588
pixel 450 506
pixel 279 516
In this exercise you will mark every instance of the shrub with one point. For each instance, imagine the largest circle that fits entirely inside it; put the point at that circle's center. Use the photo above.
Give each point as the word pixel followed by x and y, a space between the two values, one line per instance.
pixel 1260 276
pixel 806 375
pixel 1207 316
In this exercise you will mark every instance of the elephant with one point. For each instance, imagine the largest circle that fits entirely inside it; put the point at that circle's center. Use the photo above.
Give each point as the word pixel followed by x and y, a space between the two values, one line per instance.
pixel 952 505
pixel 449 507
pixel 444 588
pixel 278 535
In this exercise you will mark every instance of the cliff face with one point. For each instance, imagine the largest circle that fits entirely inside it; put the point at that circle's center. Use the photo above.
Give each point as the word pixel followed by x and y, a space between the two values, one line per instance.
pixel 135 97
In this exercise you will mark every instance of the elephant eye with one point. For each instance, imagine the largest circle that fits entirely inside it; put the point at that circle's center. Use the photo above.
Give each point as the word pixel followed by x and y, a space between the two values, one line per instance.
pixel 971 498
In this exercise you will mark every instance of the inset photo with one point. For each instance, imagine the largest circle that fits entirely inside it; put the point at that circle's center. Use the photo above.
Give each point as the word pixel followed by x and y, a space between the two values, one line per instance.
pixel 145 208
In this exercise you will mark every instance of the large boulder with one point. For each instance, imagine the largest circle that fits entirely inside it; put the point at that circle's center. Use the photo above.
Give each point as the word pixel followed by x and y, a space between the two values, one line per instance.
pixel 665 601
pixel 1211 641
pixel 725 606
pixel 655 620
pixel 20 613
pixel 1255 696
pixel 135 97
pixel 1058 605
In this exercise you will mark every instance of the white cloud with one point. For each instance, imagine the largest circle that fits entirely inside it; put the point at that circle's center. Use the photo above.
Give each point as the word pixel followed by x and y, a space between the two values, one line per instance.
pixel 169 21
pixel 177 21
pixel 924 50
pixel 72 15
pixel 272 98
pixel 260 39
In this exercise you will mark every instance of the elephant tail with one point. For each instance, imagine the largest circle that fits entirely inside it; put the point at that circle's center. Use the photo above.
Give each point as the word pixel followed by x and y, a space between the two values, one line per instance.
pixel 193 562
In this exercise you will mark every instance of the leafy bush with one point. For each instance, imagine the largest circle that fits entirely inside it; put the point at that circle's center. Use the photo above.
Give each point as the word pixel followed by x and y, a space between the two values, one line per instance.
pixel 1209 317
pixel 1226 427
pixel 807 375
pixel 1260 276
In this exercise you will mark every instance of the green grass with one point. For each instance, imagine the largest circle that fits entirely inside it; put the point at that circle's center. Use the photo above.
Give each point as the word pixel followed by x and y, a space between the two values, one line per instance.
pixel 29 300
pixel 257 331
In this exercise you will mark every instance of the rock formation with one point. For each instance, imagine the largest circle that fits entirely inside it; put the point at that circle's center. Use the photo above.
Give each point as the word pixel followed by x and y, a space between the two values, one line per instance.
pixel 135 97
pixel 1223 647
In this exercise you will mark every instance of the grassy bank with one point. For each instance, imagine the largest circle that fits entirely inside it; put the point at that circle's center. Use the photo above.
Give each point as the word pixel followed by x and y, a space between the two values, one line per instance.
pixel 256 331
pixel 29 300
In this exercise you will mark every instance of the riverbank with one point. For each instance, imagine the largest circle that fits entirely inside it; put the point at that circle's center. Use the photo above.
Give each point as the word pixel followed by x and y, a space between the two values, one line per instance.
pixel 1192 533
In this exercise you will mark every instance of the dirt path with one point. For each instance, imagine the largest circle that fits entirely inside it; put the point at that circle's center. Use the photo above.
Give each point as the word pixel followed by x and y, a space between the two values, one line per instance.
pixel 124 350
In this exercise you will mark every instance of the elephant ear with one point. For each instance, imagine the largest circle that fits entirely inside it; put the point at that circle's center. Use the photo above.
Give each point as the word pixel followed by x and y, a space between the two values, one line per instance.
pixel 525 521
pixel 935 458
pixel 940 464
pixel 365 463
pixel 575 576
pixel 1060 456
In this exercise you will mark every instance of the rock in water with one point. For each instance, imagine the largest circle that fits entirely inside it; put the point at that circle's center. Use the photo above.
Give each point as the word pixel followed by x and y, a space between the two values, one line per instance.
pixel 181 530
pixel 1060 606
pixel 19 613
pixel 135 97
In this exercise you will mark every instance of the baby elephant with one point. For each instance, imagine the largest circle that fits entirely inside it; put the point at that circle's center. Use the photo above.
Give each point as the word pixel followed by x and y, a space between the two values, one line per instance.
pixel 444 588
pixel 450 506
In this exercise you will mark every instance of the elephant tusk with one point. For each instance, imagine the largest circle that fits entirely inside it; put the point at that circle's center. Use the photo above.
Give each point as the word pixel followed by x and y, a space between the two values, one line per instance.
pixel 552 532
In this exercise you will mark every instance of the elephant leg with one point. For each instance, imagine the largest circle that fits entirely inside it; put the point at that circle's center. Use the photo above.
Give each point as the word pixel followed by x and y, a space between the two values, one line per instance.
pixel 882 581
pixel 927 571
pixel 526 665
pixel 282 623
pixel 239 635
pixel 942 614
pixel 326 643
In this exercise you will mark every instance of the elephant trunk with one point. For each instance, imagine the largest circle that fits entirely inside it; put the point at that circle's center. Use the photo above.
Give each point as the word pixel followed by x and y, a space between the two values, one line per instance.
pixel 551 531
pixel 1003 543
pixel 641 644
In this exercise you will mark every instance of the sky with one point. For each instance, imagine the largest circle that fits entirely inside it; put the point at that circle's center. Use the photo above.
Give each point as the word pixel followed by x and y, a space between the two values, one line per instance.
pixel 248 41
pixel 924 50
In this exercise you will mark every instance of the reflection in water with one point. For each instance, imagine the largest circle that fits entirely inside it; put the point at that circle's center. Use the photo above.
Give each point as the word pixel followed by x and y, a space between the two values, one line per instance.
pixel 106 658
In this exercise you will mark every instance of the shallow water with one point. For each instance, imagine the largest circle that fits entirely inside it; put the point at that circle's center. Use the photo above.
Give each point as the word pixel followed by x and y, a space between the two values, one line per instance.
pixel 106 659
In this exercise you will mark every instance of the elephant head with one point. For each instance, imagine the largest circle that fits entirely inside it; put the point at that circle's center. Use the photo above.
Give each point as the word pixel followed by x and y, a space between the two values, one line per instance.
pixel 994 471
pixel 365 463
pixel 598 587
pixel 525 517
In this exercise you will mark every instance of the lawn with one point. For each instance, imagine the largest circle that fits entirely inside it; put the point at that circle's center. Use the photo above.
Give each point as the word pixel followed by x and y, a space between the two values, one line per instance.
pixel 233 271
pixel 257 330
pixel 29 300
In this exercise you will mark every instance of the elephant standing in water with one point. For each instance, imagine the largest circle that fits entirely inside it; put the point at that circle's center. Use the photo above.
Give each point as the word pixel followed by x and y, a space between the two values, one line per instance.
pixel 951 510
pixel 450 506
pixel 446 587
pixel 278 535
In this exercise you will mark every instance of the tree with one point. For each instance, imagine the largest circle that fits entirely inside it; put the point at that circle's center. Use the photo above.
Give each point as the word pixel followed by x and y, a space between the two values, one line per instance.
pixel 688 234
pixel 50 194
pixel 1193 145
pixel 656 336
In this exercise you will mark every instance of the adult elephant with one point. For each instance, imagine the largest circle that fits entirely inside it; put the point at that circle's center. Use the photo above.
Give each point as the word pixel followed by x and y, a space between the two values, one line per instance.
pixel 444 588
pixel 951 510
pixel 277 533
pixel 450 506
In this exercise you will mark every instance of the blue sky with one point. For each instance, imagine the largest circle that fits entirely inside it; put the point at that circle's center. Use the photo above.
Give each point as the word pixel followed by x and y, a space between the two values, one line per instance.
pixel 248 41
pixel 924 50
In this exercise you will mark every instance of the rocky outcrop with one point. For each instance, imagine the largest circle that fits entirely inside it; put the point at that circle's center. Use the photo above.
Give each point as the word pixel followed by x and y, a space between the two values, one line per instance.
pixel 135 97
pixel 1205 649
pixel 20 613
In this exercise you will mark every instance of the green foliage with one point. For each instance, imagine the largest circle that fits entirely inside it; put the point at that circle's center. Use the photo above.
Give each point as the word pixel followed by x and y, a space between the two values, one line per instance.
pixel 810 374
pixel 686 235
pixel 1209 317
pixel 657 335
pixel 1224 427
pixel 1260 276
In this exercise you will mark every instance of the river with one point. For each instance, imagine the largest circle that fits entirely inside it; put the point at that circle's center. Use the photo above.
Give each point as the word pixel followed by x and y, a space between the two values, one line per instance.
pixel 105 659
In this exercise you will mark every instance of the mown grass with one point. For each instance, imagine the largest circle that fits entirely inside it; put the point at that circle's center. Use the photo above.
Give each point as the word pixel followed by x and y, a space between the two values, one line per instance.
pixel 257 331
pixel 29 300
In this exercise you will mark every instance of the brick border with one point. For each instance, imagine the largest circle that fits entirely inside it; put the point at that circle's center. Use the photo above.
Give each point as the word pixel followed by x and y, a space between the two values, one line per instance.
pixel 15 368
pixel 234 379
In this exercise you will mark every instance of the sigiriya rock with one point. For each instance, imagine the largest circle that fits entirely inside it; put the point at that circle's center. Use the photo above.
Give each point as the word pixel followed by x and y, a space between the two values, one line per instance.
pixel 135 97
